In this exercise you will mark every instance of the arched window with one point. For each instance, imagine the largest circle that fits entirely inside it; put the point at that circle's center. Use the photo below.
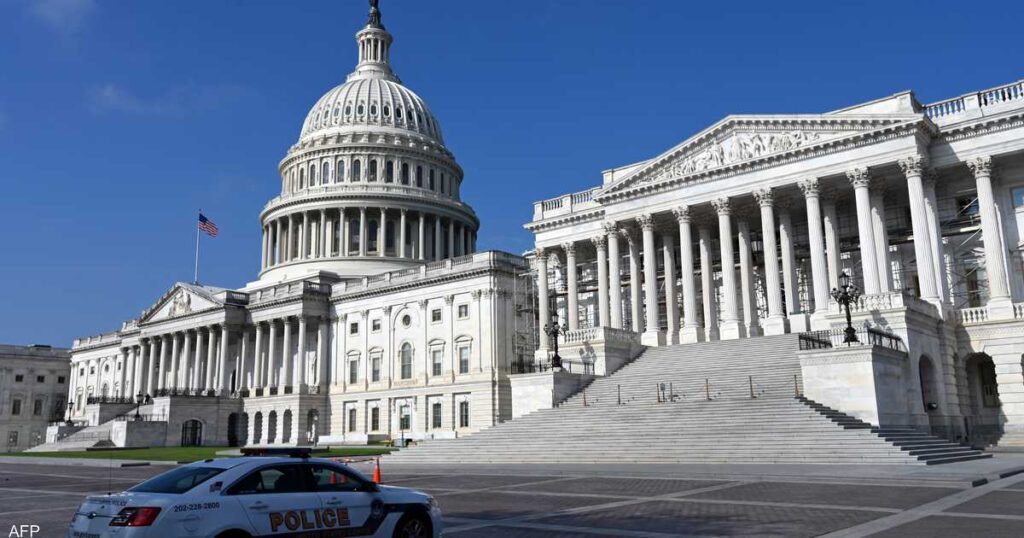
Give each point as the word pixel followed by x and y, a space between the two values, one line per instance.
pixel 312 174
pixel 372 176
pixel 405 173
pixel 286 426
pixel 353 235
pixel 371 235
pixel 348 110
pixel 272 427
pixel 398 112
pixel 419 176
pixel 373 109
pixel 257 428
pixel 387 111
pixel 431 175
pixel 389 172
pixel 325 173
pixel 340 167
pixel 389 235
pixel 360 110
pixel 406 360
pixel 302 178
pixel 357 169
pixel 191 433
pixel 442 182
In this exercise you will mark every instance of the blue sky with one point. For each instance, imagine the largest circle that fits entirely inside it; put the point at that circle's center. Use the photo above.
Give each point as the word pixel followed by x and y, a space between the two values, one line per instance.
pixel 119 119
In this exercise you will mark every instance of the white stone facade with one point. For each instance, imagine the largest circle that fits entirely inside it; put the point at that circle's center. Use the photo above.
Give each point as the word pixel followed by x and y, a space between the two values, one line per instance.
pixel 33 392
pixel 374 317
pixel 922 205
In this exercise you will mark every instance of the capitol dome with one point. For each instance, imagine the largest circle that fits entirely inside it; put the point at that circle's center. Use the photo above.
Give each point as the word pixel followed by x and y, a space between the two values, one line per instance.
pixel 369 187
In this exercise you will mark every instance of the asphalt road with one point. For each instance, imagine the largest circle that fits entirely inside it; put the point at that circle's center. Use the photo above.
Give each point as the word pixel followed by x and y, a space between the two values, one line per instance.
pixel 587 504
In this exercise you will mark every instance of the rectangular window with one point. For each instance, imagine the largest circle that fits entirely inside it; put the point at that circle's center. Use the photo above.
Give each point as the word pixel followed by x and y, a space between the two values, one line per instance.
pixel 60 380
pixel 463 311
pixel 404 418
pixel 16 407
pixel 37 407
pixel 81 371
pixel 375 371
pixel 19 378
pixel 437 360
pixel 435 315
pixel 435 415
pixel 374 419
pixel 464 360
pixel 463 414
pixel 40 379
pixel 12 438
pixel 375 325
pixel 351 419
pixel 353 328
pixel 353 371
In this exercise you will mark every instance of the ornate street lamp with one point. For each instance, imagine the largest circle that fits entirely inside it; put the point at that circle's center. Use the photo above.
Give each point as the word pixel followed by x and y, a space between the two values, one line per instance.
pixel 553 329
pixel 846 294
pixel 71 406
pixel 138 404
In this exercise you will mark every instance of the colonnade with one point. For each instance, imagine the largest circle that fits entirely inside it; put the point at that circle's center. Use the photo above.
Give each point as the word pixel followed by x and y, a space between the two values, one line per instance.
pixel 728 310
pixel 277 363
pixel 365 231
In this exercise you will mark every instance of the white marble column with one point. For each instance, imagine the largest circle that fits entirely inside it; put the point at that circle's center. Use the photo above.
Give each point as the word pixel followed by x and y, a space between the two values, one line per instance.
pixel 257 363
pixel 287 367
pixel 881 235
pixel 451 238
pixel 614 275
pixel 303 236
pixel 437 238
pixel 212 359
pixel 861 180
pixel 161 376
pixel 776 322
pixel 122 375
pixel 912 168
pixel 343 232
pixel 730 327
pixel 668 247
pixel 223 339
pixel 816 240
pixel 691 329
pixel 1000 305
pixel 196 380
pixel 601 246
pixel 322 351
pixel 634 282
pixel 401 233
pixel 271 366
pixel 935 234
pixel 798 321
pixel 140 366
pixel 572 290
pixel 263 249
pixel 830 226
pixel 750 321
pixel 707 283
pixel 382 228
pixel 175 363
pixel 421 239
pixel 362 232
pixel 543 316
pixel 275 247
pixel 329 234
pixel 300 379
pixel 243 352
pixel 653 335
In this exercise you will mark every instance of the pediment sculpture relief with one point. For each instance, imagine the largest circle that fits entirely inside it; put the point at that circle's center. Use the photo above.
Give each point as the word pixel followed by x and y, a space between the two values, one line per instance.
pixel 182 304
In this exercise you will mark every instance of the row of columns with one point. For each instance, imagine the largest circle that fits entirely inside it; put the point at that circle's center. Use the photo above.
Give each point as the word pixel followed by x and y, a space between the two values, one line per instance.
pixel 194 359
pixel 327 233
pixel 738 309
pixel 275 365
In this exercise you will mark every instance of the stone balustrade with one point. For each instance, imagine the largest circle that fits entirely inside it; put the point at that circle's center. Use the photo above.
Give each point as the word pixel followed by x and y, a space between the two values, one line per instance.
pixel 972 104
pixel 470 262
pixel 565 204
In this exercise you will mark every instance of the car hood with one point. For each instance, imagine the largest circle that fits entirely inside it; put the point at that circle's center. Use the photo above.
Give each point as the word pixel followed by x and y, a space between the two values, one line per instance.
pixel 395 494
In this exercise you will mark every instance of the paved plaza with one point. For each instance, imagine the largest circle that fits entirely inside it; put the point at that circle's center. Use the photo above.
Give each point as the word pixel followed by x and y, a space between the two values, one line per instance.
pixel 632 501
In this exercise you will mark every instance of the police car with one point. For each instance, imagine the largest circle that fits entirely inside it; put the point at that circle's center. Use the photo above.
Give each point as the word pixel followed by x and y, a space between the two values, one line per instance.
pixel 263 493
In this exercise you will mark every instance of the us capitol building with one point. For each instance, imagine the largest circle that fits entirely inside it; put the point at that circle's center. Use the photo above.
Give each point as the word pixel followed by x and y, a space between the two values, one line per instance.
pixel 374 317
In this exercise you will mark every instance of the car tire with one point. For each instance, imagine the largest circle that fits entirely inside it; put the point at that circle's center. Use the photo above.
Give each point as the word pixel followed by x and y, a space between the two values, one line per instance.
pixel 234 534
pixel 413 526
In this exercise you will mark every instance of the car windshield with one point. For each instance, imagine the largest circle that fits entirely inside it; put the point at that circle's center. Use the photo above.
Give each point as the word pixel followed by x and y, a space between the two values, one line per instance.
pixel 178 480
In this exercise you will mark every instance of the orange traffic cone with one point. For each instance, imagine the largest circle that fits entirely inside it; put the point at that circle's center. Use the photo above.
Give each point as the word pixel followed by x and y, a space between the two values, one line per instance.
pixel 376 472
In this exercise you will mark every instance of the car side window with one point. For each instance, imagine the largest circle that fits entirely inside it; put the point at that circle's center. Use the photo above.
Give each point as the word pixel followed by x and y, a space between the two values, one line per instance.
pixel 275 479
pixel 327 478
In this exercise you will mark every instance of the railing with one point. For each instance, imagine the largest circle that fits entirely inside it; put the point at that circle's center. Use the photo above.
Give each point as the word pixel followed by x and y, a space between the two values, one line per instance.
pixel 103 435
pixel 110 400
pixel 529 367
pixel 603 334
pixel 565 204
pixel 977 314
pixel 141 417
pixel 72 423
pixel 193 393
pixel 833 338
pixel 975 101
pixel 1018 310
pixel 236 297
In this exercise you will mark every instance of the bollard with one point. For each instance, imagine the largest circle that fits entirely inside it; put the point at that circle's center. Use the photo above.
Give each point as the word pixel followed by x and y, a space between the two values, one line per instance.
pixel 657 393
pixel 618 390
pixel 750 379
pixel 671 393
pixel 707 388
pixel 584 397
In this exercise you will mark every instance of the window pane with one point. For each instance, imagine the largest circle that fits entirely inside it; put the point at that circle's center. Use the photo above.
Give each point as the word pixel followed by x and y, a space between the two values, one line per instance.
pixel 178 480
pixel 333 479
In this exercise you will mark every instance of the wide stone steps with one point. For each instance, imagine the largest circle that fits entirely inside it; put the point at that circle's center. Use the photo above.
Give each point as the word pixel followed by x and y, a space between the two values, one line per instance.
pixel 627 417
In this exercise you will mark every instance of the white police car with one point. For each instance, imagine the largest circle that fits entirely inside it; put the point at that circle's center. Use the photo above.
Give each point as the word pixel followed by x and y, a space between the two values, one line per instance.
pixel 260 494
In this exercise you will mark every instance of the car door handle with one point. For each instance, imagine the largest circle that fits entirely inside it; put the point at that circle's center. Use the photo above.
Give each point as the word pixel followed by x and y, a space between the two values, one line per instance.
pixel 333 501
pixel 258 505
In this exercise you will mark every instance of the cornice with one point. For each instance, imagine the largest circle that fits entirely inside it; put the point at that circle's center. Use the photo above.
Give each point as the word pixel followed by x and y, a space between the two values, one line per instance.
pixel 596 213
pixel 494 269
pixel 398 200
pixel 982 126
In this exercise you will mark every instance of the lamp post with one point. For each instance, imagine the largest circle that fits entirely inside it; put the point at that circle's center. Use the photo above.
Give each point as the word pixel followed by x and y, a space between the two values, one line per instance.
pixel 844 295
pixel 138 404
pixel 71 406
pixel 553 329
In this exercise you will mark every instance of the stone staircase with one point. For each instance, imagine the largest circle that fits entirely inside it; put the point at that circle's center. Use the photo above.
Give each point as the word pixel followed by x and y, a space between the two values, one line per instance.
pixel 90 437
pixel 680 424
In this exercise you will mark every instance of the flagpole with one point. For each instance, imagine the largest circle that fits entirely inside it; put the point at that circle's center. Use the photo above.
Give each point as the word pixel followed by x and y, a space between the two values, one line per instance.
pixel 196 276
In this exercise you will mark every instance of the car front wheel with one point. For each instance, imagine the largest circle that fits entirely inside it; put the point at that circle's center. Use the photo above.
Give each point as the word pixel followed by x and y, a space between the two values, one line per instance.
pixel 413 526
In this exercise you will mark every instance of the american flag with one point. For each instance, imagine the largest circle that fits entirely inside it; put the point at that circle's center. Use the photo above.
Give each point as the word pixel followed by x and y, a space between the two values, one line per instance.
pixel 207 226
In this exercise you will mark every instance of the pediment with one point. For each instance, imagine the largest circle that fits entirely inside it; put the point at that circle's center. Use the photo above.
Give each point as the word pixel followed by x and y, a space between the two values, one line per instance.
pixel 737 141
pixel 181 300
